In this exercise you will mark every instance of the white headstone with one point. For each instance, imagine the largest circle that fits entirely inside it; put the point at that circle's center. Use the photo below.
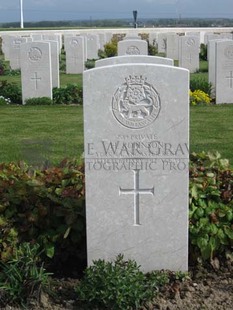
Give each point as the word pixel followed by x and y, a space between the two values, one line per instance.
pixel 14 51
pixel 132 47
pixel 102 40
pixel 189 52
pixel 133 59
pixel 37 37
pixel 172 46
pixel 108 36
pixel 54 48
pixel 136 159
pixel 75 54
pixel 92 42
pixel 53 37
pixel 6 46
pixel 162 42
pixel 211 47
pixel 210 36
pixel 224 71
pixel 153 38
pixel 36 70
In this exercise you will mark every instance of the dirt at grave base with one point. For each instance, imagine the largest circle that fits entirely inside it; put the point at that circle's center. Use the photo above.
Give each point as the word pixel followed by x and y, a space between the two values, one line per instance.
pixel 212 290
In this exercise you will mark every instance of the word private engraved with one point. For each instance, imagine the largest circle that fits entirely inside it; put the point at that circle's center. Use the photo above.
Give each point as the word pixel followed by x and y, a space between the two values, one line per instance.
pixel 35 54
pixel 136 103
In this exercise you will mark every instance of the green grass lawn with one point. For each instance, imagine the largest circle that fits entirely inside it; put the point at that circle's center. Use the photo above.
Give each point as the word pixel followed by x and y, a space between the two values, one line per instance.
pixel 39 133
pixel 34 133
pixel 64 79
pixel 211 129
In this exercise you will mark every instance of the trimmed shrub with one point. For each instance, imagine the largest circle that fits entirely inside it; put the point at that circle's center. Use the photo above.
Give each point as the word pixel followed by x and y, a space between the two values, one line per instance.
pixel 203 52
pixel 198 83
pixel 44 206
pixel 110 49
pixel 47 206
pixel 11 91
pixel 118 285
pixel 90 63
pixel 70 94
pixel 211 207
pixel 4 101
pixel 39 101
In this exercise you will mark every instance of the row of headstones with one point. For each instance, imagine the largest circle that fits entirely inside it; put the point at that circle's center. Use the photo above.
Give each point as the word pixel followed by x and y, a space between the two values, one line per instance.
pixel 11 46
pixel 75 50
pixel 160 39
pixel 92 43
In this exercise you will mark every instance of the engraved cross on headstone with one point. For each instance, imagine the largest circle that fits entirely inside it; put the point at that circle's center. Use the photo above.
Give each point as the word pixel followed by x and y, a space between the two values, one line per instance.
pixel 75 59
pixel 136 191
pixel 189 58
pixel 230 78
pixel 36 79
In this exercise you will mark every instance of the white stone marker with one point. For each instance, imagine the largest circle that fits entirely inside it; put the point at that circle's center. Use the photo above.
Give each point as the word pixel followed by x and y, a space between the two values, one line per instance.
pixel 14 52
pixel 153 38
pixel 211 48
pixel 172 46
pixel 224 72
pixel 211 36
pixel 55 51
pixel 54 37
pixel 75 54
pixel 136 161
pixel 189 52
pixel 162 42
pixel 92 42
pixel 133 59
pixel 36 70
pixel 132 47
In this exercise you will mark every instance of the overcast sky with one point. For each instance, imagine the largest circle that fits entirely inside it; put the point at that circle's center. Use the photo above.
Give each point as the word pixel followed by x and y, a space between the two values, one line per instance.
pixel 37 10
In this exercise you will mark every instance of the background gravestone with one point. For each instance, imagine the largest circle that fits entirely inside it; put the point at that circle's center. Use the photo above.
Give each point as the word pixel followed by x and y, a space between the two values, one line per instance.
pixel 132 47
pixel 134 59
pixel 136 162
pixel 224 71
pixel 172 46
pixel 75 54
pixel 36 70
pixel 14 51
pixel 189 52
pixel 211 48
pixel 54 48
pixel 92 42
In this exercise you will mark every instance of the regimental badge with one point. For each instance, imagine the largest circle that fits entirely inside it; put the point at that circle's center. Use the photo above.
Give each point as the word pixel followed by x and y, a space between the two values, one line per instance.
pixel 228 52
pixel 132 50
pixel 35 54
pixel 136 103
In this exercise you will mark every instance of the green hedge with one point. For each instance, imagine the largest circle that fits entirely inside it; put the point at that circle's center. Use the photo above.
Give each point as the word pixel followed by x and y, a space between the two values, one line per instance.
pixel 48 206
pixel 43 206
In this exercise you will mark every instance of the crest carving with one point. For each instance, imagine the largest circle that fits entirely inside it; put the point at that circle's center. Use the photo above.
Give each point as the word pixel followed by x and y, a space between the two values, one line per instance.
pixel 132 50
pixel 136 103
pixel 35 54
pixel 228 52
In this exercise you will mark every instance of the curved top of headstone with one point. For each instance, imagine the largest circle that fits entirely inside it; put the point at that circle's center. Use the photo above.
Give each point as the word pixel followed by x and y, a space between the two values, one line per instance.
pixel 134 59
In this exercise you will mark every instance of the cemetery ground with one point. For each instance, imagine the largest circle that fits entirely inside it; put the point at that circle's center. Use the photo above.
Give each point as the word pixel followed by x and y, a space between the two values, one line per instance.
pixel 37 135
pixel 32 131
pixel 40 128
